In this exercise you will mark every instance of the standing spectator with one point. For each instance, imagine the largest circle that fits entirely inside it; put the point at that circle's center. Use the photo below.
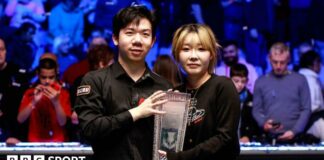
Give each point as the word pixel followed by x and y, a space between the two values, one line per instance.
pixel 281 101
pixel 310 63
pixel 213 118
pixel 116 104
pixel 233 20
pixel 231 57
pixel 248 129
pixel 46 105
pixel 258 29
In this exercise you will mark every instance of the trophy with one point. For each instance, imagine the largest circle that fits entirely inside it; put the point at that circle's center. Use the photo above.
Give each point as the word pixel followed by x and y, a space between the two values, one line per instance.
pixel 169 129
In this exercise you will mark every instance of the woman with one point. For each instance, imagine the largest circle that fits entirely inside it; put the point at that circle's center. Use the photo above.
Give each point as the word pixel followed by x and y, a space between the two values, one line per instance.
pixel 214 110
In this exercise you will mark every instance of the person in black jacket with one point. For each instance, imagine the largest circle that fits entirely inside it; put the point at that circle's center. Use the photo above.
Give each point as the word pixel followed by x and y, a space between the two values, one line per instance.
pixel 115 104
pixel 214 110
pixel 248 128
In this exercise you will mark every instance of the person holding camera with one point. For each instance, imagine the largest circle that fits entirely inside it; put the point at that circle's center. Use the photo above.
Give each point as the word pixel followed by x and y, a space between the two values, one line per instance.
pixel 46 105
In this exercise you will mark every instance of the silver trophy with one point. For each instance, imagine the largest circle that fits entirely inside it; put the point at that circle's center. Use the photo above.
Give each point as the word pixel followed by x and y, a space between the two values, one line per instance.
pixel 169 129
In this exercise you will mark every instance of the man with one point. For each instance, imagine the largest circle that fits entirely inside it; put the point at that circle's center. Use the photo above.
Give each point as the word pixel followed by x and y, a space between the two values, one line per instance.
pixel 310 63
pixel 115 104
pixel 281 98
pixel 231 57
pixel 12 86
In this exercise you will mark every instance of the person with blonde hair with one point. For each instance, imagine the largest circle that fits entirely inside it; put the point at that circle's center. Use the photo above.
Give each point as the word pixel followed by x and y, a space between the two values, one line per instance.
pixel 213 118
pixel 281 99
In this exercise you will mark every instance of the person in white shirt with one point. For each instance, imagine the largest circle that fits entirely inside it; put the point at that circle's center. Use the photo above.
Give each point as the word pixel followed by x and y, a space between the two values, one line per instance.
pixel 310 64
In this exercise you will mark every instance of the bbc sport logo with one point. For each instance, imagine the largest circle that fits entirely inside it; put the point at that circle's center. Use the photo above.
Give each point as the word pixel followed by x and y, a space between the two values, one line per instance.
pixel 42 157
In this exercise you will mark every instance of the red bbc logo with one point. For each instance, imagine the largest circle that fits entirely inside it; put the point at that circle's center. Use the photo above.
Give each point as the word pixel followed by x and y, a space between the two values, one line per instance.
pixel 25 157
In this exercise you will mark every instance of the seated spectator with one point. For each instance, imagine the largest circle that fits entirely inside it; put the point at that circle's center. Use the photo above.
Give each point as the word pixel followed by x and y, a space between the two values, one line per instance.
pixel 62 49
pixel 70 23
pixel 22 11
pixel 82 67
pixel 6 31
pixel 21 47
pixel 46 105
pixel 166 67
pixel 98 57
pixel 310 63
pixel 43 56
pixel 248 128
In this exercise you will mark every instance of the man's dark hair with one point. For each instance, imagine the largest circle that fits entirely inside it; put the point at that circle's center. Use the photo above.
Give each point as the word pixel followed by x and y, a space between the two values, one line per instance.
pixel 100 53
pixel 239 70
pixel 307 59
pixel 132 14
pixel 25 28
pixel 47 63
pixel 230 42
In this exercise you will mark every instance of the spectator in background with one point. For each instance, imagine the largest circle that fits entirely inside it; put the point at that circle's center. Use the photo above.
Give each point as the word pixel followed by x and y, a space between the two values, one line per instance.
pixel 11 91
pixel 21 11
pixel 310 63
pixel 233 20
pixel 230 55
pixel 66 19
pixel 248 128
pixel 6 31
pixel 316 25
pixel 165 67
pixel 303 48
pixel 21 47
pixel 105 11
pixel 46 105
pixel 98 57
pixel 62 48
pixel 281 102
pixel 82 67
